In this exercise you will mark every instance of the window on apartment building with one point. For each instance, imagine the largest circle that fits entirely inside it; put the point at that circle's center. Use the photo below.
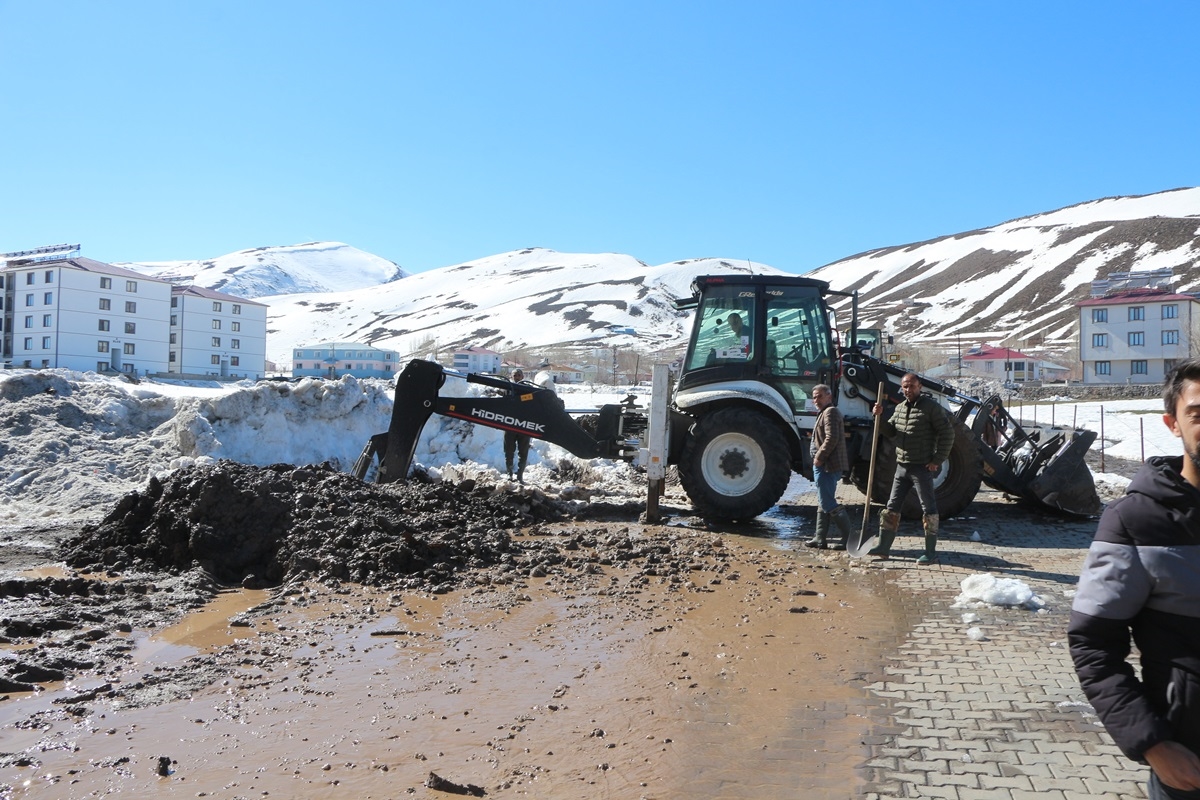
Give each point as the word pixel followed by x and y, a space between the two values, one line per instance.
pixel 1170 311
pixel 1168 365
pixel 28 299
pixel 1139 366
pixel 129 349
pixel 49 276
pixel 173 338
pixel 237 308
pixel 235 326
pixel 216 307
pixel 171 356
pixel 45 342
pixel 102 346
pixel 103 325
pixel 1170 337
pixel 48 298
pixel 29 320
pixel 106 283
pixel 130 307
pixel 131 327
pixel 29 279
pixel 47 320
pixel 216 325
pixel 28 342
pixel 101 366
pixel 105 304
pixel 131 287
pixel 1099 340
pixel 216 341
pixel 236 344
pixel 387 356
pixel 1103 368
pixel 1137 313
pixel 1099 315
pixel 174 302
pixel 127 367
pixel 1137 338
pixel 215 359
pixel 234 361
pixel 174 320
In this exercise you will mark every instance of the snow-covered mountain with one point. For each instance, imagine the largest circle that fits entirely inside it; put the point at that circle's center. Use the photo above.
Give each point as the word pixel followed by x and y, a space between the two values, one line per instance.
pixel 266 271
pixel 528 298
pixel 1018 282
pixel 1015 283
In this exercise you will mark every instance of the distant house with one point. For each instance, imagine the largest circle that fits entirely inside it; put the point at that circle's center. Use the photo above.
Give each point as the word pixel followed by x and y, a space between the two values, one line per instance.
pixel 85 315
pixel 335 359
pixel 563 374
pixel 477 359
pixel 1007 364
pixel 1136 335
pixel 213 333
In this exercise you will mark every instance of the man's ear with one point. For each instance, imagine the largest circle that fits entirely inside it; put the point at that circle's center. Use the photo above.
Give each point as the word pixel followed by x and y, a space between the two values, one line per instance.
pixel 1170 421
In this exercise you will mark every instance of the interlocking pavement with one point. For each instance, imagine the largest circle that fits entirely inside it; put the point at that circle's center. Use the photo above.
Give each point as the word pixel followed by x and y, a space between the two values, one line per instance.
pixel 997 718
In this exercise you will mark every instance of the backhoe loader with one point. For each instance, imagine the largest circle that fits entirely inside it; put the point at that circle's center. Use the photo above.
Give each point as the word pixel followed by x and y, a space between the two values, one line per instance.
pixel 741 415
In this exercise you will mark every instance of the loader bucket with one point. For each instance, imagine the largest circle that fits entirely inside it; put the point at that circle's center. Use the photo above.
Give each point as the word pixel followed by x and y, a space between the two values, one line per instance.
pixel 1043 464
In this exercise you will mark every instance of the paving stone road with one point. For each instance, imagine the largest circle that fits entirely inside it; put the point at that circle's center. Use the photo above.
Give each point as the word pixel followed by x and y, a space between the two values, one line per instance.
pixel 1001 717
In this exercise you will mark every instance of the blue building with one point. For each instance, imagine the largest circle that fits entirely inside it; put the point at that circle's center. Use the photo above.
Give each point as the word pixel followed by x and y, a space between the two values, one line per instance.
pixel 335 359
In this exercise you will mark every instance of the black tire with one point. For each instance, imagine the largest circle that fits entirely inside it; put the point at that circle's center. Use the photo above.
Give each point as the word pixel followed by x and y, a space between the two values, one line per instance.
pixel 954 488
pixel 735 464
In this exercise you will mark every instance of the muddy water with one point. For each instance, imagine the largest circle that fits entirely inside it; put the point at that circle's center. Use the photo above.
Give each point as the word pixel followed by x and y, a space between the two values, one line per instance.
pixel 742 682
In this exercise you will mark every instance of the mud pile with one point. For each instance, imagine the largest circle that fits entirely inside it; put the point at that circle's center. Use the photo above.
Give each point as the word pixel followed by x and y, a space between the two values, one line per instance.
pixel 264 526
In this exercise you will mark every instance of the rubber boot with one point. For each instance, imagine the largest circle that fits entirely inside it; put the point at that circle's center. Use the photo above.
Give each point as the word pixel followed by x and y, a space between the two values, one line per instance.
pixel 931 531
pixel 841 521
pixel 889 523
pixel 818 540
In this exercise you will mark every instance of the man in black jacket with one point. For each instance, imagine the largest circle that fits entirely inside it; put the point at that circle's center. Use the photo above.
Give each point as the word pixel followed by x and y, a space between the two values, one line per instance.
pixel 1142 577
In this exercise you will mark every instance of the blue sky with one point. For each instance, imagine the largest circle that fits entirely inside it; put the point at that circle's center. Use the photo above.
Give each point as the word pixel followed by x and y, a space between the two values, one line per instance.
pixel 432 133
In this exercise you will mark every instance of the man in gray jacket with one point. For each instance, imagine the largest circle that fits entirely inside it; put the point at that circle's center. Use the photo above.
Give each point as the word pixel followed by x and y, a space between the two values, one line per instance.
pixel 924 437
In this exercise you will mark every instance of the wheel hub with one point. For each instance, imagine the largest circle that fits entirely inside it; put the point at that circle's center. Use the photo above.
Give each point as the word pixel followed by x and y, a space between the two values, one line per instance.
pixel 734 463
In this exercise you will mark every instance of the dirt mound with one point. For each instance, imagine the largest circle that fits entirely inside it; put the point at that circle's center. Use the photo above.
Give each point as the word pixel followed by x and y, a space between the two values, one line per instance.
pixel 263 526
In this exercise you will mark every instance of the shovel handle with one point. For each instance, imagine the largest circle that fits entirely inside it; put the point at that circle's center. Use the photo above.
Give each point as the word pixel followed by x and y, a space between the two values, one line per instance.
pixel 874 453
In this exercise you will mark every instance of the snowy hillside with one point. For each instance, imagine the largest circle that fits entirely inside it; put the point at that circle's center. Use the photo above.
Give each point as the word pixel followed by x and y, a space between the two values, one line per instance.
pixel 529 298
pixel 1015 283
pixel 1018 281
pixel 264 271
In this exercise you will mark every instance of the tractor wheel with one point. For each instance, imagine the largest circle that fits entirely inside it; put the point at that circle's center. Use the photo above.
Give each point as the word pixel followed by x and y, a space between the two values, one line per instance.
pixel 735 464
pixel 954 487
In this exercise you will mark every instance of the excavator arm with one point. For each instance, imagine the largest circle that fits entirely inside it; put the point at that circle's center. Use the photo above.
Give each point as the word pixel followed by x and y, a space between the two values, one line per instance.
pixel 522 407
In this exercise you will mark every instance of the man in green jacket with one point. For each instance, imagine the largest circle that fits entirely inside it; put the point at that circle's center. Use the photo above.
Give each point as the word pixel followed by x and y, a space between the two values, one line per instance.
pixel 924 436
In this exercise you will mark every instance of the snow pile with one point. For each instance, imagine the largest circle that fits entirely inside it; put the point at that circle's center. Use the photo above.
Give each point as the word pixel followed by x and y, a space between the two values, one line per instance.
pixel 74 443
pixel 987 589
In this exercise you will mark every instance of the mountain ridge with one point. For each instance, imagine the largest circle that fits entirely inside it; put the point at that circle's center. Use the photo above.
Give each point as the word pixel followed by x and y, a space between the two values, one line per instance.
pixel 1015 283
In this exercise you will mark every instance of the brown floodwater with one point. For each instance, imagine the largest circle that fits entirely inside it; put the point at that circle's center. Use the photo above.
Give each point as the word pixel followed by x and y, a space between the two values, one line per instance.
pixel 742 683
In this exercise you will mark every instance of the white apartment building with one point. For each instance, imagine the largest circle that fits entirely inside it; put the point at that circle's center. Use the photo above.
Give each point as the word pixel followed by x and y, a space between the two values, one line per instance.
pixel 217 334
pixel 82 314
pixel 334 359
pixel 1136 335
pixel 477 359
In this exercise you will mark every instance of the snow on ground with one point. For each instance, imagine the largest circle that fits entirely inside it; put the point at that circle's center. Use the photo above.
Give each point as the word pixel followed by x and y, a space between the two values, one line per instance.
pixel 75 442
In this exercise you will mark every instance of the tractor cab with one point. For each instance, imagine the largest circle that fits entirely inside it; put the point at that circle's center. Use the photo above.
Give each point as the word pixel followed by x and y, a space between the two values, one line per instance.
pixel 770 330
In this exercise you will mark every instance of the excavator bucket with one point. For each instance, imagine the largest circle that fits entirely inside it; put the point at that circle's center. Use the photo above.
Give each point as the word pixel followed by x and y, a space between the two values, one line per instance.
pixel 417 388
pixel 1043 464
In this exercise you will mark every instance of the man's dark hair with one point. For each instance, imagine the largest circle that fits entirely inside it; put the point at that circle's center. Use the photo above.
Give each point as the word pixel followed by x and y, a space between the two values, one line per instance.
pixel 1188 370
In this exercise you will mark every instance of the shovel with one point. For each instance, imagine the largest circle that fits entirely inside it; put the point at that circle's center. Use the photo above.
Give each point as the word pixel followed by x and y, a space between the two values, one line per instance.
pixel 860 543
